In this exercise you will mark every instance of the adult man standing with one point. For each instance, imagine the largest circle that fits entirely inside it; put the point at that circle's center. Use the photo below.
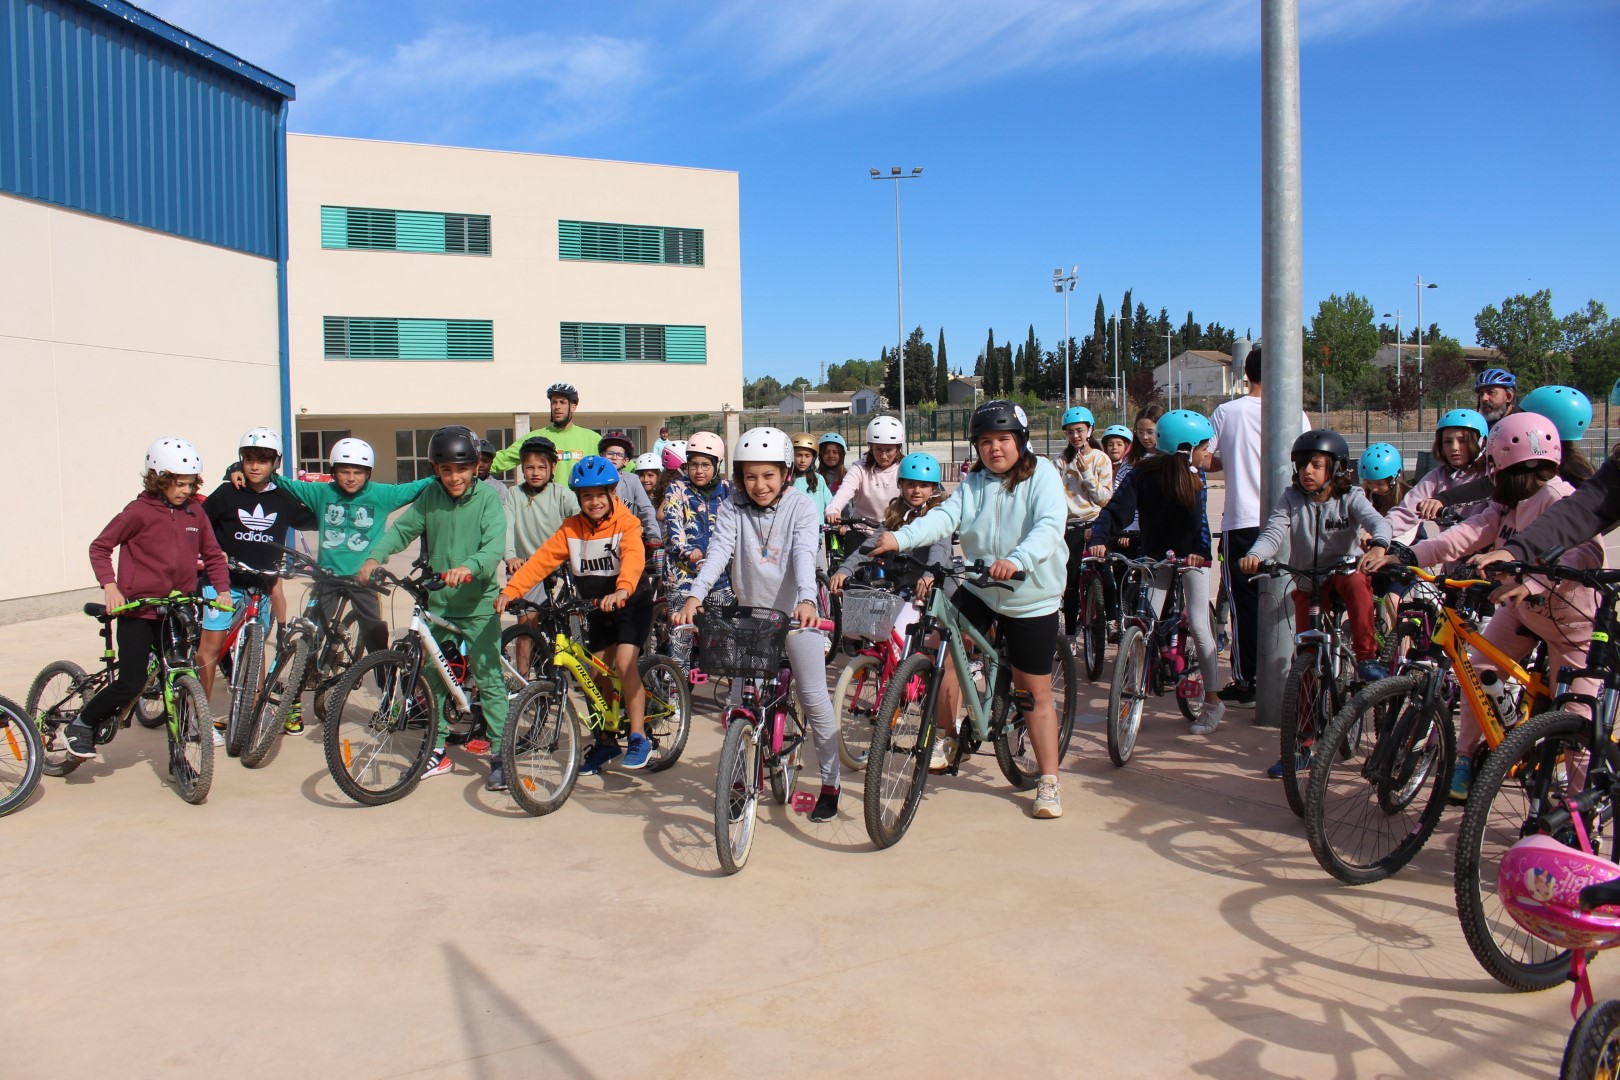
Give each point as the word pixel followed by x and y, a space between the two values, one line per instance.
pixel 1236 447
pixel 573 443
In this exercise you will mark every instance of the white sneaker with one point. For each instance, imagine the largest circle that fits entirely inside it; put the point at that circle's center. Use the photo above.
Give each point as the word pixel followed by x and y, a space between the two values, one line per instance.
pixel 944 751
pixel 1209 719
pixel 1048 800
pixel 219 737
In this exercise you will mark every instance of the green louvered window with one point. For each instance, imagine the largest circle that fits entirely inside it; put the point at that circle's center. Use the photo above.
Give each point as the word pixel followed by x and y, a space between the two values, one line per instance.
pixel 359 228
pixel 408 339
pixel 602 241
pixel 636 344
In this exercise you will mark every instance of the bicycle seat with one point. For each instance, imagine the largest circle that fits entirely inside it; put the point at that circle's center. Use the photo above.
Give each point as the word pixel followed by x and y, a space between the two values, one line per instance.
pixel 96 611
pixel 1602 895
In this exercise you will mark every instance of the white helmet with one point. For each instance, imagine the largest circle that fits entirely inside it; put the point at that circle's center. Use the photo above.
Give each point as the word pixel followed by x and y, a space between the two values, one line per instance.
pixel 648 462
pixel 764 444
pixel 172 455
pixel 353 452
pixel 261 438
pixel 706 442
pixel 885 429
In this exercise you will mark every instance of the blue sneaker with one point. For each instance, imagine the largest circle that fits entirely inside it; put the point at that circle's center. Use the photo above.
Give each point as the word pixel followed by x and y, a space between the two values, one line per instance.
pixel 1302 765
pixel 598 756
pixel 640 751
pixel 1369 671
pixel 1462 779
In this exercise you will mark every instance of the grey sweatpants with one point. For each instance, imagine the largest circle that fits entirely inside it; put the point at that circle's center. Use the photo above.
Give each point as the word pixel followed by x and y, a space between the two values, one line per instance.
pixel 806 655
pixel 1195 588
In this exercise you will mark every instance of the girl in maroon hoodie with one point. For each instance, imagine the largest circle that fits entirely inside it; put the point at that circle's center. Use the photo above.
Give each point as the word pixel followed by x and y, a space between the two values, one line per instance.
pixel 161 535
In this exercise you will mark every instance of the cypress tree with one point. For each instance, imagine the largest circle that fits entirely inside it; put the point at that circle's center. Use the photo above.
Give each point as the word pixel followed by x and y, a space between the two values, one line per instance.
pixel 942 380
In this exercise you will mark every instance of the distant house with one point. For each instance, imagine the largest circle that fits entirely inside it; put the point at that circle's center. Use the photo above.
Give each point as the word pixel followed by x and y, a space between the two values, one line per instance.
pixel 818 403
pixel 1199 373
pixel 964 389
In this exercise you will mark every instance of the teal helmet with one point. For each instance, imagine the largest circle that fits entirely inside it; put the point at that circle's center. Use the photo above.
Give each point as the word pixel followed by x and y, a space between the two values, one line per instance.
pixel 1380 461
pixel 1471 419
pixel 1078 414
pixel 922 467
pixel 833 437
pixel 1183 429
pixel 1569 410
pixel 592 472
pixel 1118 431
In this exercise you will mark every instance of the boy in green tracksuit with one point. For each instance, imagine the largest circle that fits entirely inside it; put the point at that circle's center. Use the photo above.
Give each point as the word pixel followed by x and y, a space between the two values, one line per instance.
pixel 465 528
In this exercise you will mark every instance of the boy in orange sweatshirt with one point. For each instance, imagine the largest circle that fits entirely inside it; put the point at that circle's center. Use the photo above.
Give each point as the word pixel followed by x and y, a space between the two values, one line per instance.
pixel 602 547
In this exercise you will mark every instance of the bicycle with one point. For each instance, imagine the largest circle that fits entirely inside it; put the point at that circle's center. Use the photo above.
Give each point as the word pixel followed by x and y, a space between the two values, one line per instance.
pixel 241 655
pixel 903 737
pixel 22 745
pixel 1155 652
pixel 190 727
pixel 875 625
pixel 540 752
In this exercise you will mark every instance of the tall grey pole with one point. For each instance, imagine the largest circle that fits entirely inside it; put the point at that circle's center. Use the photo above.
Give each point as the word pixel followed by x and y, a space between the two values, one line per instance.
pixel 1119 387
pixel 1282 272
pixel 900 312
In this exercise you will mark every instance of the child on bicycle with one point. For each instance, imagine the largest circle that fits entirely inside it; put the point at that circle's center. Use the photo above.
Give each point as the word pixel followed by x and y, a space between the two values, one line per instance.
pixel 1522 456
pixel 1379 470
pixel 159 537
pixel 536 510
pixel 602 547
pixel 1010 508
pixel 766 536
pixel 1116 443
pixel 831 449
pixel 873 481
pixel 1167 495
pixel 1459 439
pixel 465 528
pixel 1571 413
pixel 1088 482
pixel 691 506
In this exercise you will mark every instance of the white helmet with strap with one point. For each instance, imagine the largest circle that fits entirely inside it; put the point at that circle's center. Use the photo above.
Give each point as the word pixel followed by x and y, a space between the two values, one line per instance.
pixel 175 456
pixel 261 438
pixel 764 444
pixel 353 452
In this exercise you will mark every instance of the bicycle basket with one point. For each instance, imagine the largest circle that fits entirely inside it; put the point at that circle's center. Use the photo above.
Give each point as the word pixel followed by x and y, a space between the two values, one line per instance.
pixel 869 614
pixel 742 642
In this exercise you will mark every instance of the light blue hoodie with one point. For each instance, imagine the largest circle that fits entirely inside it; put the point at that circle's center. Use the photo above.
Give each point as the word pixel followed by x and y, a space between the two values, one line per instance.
pixel 1024 525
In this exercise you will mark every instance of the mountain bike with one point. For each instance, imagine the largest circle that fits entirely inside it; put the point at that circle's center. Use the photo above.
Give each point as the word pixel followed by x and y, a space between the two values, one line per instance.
pixel 241 656
pixel 877 623
pixel 22 755
pixel 1156 652
pixel 62 688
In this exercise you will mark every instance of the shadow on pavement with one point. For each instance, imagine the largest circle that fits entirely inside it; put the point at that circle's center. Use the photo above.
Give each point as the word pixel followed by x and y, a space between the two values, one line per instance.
pixel 502 1039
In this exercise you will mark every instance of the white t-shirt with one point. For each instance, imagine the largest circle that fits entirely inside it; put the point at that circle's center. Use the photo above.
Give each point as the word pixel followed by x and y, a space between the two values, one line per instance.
pixel 1237 444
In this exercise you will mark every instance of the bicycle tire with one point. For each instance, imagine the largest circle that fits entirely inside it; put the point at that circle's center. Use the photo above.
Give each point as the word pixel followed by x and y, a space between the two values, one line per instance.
pixel 1128 695
pixel 1190 708
pixel 19 742
pixel 667 687
pixel 149 711
pixel 191 741
pixel 1094 626
pixel 282 688
pixel 64 705
pixel 1357 832
pixel 1509 793
pixel 1014 752
pixel 339 652
pixel 244 689
pixel 1593 1049
pixel 385 730
pixel 1301 707
pixel 855 701
pixel 736 793
pixel 902 740
pixel 540 749
pixel 824 603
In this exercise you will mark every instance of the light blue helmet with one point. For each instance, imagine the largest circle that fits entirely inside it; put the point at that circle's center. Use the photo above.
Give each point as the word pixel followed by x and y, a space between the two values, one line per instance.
pixel 1118 431
pixel 1183 429
pixel 1078 414
pixel 920 466
pixel 1471 419
pixel 1565 406
pixel 1380 461
pixel 833 437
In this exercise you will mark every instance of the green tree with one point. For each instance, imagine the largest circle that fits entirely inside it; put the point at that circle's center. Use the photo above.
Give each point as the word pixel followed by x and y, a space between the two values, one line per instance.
pixel 919 363
pixel 763 393
pixel 1592 340
pixel 990 365
pixel 1446 373
pixel 1527 333
pixel 943 376
pixel 1126 355
pixel 1143 344
pixel 1342 339
pixel 1009 383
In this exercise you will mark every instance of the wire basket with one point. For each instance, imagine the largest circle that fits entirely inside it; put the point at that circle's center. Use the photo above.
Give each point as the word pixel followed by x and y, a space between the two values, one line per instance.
pixel 742 642
pixel 869 614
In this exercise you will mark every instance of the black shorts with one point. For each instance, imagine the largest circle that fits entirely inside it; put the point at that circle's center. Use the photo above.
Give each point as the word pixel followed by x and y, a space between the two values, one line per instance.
pixel 1031 641
pixel 630 625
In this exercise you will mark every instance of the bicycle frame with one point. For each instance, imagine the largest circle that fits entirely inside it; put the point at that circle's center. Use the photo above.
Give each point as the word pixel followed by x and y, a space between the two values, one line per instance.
pixel 952 628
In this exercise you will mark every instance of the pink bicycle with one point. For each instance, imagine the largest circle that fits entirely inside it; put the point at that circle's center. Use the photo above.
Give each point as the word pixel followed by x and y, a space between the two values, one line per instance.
pixel 877 622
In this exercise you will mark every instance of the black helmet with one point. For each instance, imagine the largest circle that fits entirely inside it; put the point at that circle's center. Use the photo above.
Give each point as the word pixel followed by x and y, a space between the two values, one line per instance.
pixel 1321 441
pixel 486 447
pixel 620 441
pixel 453 446
pixel 539 444
pixel 999 416
pixel 562 389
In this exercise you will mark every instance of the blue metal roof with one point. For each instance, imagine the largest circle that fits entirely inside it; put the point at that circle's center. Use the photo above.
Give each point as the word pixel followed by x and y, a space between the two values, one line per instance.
pixel 194 45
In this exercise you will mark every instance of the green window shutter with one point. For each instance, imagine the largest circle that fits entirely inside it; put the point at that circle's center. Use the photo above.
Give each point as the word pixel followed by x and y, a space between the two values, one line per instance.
pixel 594 342
pixel 373 339
pixel 466 234
pixel 335 337
pixel 608 342
pixel 470 339
pixel 570 242
pixel 604 241
pixel 423 339
pixel 371 230
pixel 408 339
pixel 683 247
pixel 334 227
pixel 416 231
pixel 686 344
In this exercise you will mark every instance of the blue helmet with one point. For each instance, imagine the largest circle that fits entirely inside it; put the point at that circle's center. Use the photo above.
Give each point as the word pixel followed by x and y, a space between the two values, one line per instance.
pixel 1465 418
pixel 594 471
pixel 920 466
pixel 1078 414
pixel 833 437
pixel 1183 428
pixel 1565 406
pixel 1118 431
pixel 1380 461
pixel 1495 376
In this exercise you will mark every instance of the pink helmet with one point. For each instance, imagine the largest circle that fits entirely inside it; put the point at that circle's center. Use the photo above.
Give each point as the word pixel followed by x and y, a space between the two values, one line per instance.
pixel 1540 883
pixel 675 455
pixel 1522 436
pixel 707 442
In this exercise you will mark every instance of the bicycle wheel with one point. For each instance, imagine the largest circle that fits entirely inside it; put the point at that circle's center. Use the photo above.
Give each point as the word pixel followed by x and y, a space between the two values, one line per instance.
pixel 1301 707
pixel 1094 626
pixel 149 709
pixel 282 687
pixel 897 762
pixel 54 701
pixel 540 750
pixel 855 701
pixel 1127 695
pixel 191 741
pixel 1522 779
pixel 380 731
pixel 1370 810
pixel 736 793
pixel 1593 1049
pixel 22 754
pixel 824 603
pixel 1190 708
pixel 669 710
pixel 244 689
pixel 532 641
pixel 1014 751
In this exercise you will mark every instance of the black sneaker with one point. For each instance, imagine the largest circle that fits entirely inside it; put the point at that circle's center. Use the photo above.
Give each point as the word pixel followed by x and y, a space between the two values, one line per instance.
pixel 1236 693
pixel 826 807
pixel 77 739
pixel 497 776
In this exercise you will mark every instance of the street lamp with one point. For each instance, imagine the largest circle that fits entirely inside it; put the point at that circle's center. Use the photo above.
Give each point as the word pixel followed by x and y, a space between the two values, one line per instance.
pixel 897 174
pixel 1397 318
pixel 1119 387
pixel 1058 283
pixel 1170 374
pixel 1420 287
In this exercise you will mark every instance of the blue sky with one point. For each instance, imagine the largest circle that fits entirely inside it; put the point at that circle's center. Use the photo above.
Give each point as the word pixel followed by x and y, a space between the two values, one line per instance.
pixel 1470 141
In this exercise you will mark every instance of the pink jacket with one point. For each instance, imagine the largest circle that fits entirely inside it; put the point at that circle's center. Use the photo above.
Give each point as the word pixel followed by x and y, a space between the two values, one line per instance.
pixel 865 492
pixel 1497 523
pixel 1437 480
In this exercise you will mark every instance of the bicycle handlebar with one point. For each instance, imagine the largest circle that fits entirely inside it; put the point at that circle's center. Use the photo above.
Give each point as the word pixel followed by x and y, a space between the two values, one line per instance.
pixel 174 599
pixel 974 573
pixel 1271 568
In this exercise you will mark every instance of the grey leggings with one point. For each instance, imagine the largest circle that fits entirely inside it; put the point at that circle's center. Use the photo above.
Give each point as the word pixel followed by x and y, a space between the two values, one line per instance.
pixel 1195 587
pixel 807 656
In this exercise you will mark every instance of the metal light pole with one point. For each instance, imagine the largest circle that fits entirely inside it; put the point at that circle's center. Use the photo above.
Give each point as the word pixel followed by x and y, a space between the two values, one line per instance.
pixel 897 175
pixel 1119 386
pixel 1058 283
pixel 1170 375
pixel 1420 287
pixel 1397 318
